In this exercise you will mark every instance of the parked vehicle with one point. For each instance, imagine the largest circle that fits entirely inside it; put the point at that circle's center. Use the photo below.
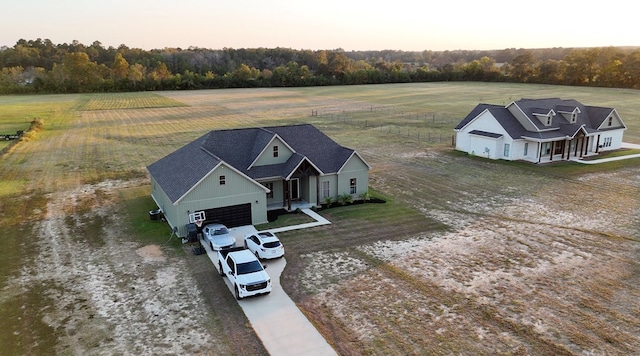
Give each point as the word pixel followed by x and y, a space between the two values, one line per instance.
pixel 218 236
pixel 245 272
pixel 264 245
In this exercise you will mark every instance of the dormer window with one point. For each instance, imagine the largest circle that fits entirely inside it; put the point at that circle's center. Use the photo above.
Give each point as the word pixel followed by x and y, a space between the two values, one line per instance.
pixel 545 116
pixel 275 151
pixel 574 117
pixel 610 121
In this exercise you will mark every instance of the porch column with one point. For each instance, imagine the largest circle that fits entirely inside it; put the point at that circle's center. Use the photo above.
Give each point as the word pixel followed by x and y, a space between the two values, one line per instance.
pixel 598 144
pixel 286 201
pixel 539 152
pixel 288 195
pixel 582 147
pixel 553 148
pixel 317 189
pixel 586 146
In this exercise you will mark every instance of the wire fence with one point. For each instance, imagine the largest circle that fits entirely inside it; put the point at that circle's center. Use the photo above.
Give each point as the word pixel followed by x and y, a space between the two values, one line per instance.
pixel 429 127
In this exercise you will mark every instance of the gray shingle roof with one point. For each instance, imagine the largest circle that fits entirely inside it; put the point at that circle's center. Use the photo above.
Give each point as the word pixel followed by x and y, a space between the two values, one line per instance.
pixel 485 133
pixel 177 172
pixel 589 118
pixel 181 170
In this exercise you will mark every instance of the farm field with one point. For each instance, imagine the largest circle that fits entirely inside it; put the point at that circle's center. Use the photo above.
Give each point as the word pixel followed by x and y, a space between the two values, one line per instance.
pixel 468 256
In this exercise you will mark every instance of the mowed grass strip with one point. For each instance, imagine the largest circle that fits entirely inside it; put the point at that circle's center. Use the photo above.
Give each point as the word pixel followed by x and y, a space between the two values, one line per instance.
pixel 94 145
pixel 137 100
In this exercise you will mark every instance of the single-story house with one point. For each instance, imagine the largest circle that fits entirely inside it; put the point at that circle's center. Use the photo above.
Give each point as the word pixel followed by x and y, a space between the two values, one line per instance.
pixel 539 130
pixel 235 176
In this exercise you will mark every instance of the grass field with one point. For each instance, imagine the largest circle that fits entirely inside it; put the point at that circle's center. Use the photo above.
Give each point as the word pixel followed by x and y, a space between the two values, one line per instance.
pixel 468 256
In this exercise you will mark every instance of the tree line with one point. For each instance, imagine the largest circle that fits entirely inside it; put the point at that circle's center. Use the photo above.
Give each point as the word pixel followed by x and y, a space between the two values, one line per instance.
pixel 40 66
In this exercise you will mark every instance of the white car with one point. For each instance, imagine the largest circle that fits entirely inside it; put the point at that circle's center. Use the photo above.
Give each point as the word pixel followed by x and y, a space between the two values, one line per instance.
pixel 218 236
pixel 264 245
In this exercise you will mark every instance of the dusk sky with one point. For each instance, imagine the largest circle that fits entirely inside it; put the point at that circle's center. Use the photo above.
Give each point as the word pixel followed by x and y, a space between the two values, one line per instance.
pixel 330 24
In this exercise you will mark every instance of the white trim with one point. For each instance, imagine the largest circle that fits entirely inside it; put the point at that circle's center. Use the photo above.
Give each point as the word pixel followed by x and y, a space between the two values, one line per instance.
pixel 523 114
pixel 304 158
pixel 210 172
pixel 613 112
pixel 349 159
pixel 474 119
pixel 264 149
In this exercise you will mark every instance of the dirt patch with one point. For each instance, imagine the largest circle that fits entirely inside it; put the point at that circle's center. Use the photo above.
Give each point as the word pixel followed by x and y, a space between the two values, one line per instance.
pixel 151 253
pixel 536 274
pixel 117 297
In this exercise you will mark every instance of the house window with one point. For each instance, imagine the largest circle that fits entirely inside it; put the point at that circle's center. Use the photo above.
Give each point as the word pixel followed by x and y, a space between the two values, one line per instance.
pixel 352 186
pixel 546 148
pixel 574 116
pixel 325 189
pixel 610 121
pixel 275 151
pixel 270 187
pixel 526 148
pixel 506 149
pixel 223 180
pixel 548 120
pixel 607 142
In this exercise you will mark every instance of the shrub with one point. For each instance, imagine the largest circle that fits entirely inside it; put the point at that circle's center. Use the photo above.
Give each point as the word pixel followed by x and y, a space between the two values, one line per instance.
pixel 328 200
pixel 345 198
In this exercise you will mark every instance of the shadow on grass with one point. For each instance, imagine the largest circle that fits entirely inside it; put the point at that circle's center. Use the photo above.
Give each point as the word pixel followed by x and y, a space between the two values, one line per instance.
pixel 138 202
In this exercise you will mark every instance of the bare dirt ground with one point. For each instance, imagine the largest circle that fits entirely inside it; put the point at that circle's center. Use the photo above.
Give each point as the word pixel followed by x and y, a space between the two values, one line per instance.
pixel 111 295
pixel 536 274
pixel 530 263
pixel 521 276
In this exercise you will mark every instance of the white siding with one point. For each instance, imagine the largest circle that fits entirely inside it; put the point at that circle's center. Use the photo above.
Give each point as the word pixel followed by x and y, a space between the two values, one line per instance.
pixel 616 140
pixel 482 145
pixel 517 150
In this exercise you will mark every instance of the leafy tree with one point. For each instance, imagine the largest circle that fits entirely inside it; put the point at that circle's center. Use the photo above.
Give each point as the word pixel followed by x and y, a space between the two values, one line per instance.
pixel 76 73
pixel 631 70
pixel 523 67
pixel 551 71
pixel 120 68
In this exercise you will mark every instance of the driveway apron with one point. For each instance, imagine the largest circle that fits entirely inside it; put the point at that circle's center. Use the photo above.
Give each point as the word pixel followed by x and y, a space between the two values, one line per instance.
pixel 276 319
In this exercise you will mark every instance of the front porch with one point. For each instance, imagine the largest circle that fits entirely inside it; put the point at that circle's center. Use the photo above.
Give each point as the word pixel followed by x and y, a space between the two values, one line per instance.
pixel 578 147
pixel 296 204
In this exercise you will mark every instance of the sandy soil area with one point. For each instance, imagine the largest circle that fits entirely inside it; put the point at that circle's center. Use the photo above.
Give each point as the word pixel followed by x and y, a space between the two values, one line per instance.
pixel 109 294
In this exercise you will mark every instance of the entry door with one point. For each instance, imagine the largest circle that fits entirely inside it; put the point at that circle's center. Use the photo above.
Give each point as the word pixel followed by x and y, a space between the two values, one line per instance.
pixel 294 188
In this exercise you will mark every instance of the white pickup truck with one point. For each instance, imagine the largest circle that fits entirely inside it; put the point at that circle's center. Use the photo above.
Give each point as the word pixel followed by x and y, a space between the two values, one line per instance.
pixel 245 272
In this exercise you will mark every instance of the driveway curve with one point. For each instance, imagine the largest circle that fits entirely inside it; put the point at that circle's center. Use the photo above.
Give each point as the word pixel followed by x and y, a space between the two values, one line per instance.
pixel 276 319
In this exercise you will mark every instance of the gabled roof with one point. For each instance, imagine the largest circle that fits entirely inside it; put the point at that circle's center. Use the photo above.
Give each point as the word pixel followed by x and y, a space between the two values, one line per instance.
pixel 588 118
pixel 179 171
pixel 169 170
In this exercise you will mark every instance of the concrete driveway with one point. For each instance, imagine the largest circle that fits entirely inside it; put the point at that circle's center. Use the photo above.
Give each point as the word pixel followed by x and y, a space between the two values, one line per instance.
pixel 276 319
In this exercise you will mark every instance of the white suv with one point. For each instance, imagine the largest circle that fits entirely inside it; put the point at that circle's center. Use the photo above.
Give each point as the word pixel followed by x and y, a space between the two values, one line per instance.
pixel 264 245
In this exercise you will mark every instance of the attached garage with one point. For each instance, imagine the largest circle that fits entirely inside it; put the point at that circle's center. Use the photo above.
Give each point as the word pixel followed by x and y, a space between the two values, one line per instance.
pixel 230 216
pixel 484 144
pixel 230 174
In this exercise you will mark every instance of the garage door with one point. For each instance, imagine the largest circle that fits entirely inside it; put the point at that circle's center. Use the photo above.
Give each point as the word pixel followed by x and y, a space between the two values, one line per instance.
pixel 230 216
